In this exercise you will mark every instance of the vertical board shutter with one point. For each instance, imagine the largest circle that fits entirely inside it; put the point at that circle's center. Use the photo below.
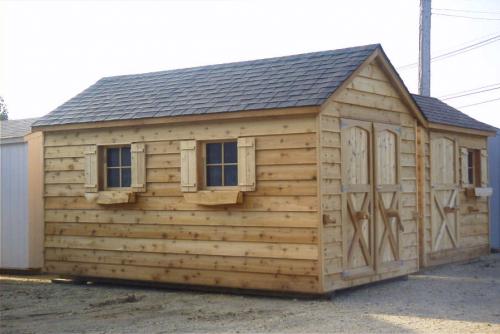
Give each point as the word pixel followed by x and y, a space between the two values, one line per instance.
pixel 188 166
pixel 464 156
pixel 484 168
pixel 246 164
pixel 138 153
pixel 91 169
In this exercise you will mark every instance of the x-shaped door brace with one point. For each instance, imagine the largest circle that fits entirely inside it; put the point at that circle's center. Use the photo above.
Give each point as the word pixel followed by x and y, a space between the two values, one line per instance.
pixel 387 213
pixel 444 222
pixel 356 218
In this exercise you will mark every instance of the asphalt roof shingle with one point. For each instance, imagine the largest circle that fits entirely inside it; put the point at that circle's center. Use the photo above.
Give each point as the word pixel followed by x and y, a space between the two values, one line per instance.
pixel 436 111
pixel 282 82
pixel 291 81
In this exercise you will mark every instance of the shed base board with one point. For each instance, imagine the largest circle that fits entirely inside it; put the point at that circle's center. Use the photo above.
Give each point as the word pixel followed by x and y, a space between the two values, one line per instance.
pixel 336 282
pixel 455 255
pixel 85 280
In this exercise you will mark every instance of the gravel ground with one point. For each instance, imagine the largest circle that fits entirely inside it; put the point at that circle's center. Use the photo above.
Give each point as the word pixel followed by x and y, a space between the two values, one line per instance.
pixel 458 298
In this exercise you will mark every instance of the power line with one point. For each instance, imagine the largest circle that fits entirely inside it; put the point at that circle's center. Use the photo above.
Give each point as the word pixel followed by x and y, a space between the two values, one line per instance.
pixel 475 104
pixel 481 91
pixel 458 51
pixel 468 11
pixel 468 90
pixel 465 43
pixel 468 48
pixel 468 17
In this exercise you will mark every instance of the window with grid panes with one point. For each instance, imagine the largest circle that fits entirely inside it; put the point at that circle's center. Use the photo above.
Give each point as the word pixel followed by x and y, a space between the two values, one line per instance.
pixel 221 164
pixel 118 167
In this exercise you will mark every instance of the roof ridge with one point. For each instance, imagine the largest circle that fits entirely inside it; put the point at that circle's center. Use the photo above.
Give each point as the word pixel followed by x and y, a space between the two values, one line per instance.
pixel 241 62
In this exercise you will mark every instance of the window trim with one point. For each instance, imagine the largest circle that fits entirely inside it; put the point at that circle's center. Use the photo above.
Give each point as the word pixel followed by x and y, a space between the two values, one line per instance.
pixel 203 173
pixel 103 167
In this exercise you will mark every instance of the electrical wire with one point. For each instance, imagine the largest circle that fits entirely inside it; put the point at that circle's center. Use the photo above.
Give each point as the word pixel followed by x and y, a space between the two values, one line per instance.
pixel 457 51
pixel 467 48
pixel 468 17
pixel 475 104
pixel 481 91
pixel 465 43
pixel 468 90
pixel 494 12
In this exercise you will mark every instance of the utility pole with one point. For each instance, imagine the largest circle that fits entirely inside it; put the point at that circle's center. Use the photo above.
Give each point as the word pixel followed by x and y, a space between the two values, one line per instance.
pixel 424 58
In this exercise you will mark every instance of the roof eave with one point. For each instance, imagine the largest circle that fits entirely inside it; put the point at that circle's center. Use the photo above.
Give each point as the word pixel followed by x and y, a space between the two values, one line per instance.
pixel 12 140
pixel 453 128
pixel 244 114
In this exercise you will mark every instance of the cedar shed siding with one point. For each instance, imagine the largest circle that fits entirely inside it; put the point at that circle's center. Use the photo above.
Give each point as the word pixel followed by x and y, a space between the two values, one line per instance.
pixel 269 242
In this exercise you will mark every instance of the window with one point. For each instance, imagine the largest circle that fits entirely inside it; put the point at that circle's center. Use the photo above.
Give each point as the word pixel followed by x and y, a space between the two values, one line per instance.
pixel 472 170
pixel 217 165
pixel 221 168
pixel 117 167
pixel 470 167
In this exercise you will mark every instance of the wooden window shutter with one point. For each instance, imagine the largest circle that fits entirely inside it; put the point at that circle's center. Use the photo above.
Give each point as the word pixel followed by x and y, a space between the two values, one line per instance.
pixel 484 168
pixel 464 158
pixel 188 166
pixel 91 169
pixel 246 164
pixel 138 155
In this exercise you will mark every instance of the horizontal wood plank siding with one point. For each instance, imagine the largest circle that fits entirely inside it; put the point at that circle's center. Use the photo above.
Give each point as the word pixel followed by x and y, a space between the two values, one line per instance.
pixel 270 241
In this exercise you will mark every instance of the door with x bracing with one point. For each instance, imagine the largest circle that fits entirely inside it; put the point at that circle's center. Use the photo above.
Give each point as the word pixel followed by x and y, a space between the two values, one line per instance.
pixel 387 175
pixel 444 193
pixel 371 197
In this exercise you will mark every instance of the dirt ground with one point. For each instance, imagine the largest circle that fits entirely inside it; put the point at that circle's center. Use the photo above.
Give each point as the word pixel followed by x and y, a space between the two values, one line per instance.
pixel 458 298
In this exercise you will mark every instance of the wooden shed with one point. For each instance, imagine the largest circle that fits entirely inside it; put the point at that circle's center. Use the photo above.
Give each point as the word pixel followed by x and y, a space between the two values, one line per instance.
pixel 21 182
pixel 453 154
pixel 294 174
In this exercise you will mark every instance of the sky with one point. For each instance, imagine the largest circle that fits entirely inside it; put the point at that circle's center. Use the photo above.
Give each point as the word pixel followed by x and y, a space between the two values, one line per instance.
pixel 52 50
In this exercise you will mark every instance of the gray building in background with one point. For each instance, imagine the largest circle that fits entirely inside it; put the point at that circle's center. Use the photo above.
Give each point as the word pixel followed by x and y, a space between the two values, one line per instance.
pixel 21 230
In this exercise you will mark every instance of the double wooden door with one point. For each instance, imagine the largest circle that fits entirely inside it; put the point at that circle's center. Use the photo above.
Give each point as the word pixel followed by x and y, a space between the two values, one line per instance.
pixel 371 223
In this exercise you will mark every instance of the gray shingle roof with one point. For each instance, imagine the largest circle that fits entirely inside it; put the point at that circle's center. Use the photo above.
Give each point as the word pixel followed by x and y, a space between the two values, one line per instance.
pixel 292 81
pixel 15 128
pixel 436 111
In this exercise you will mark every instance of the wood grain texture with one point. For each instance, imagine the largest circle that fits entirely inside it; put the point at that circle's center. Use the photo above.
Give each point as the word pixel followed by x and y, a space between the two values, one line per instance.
pixel 269 241
pixel 183 261
pixel 348 170
pixel 199 247
pixel 217 278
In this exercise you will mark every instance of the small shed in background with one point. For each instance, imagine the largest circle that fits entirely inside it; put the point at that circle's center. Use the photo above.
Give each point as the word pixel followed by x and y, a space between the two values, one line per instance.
pixel 455 187
pixel 494 148
pixel 21 183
